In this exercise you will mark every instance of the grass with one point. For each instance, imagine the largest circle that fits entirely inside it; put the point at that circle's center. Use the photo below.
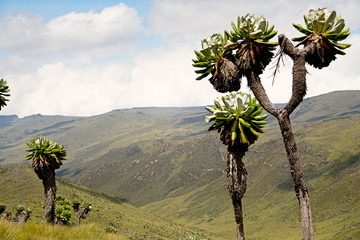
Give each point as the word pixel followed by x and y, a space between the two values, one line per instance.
pixel 332 171
pixel 36 231
pixel 22 186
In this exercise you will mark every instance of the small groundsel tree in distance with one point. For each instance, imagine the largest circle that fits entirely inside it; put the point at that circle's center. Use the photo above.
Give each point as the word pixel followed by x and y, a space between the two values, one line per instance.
pixel 4 89
pixel 2 208
pixel 62 211
pixel 111 229
pixel 22 214
pixel 239 120
pixel 323 30
pixel 81 210
pixel 3 214
pixel 46 156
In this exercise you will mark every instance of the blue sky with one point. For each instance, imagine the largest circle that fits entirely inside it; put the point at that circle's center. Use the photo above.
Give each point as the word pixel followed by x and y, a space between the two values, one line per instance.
pixel 55 8
pixel 90 57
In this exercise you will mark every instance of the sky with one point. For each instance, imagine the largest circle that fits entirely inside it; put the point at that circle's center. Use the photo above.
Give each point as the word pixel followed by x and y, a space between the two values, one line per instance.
pixel 88 57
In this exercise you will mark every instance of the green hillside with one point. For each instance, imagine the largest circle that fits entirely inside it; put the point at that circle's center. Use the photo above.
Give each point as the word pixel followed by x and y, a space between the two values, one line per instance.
pixel 164 161
pixel 332 171
pixel 20 185
pixel 91 137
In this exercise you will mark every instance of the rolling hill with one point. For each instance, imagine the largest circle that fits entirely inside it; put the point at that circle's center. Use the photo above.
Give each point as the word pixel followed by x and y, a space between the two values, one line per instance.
pixel 20 185
pixel 163 161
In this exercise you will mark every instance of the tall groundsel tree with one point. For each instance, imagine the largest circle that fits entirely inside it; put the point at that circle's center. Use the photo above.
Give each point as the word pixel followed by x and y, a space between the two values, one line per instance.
pixel 4 93
pixel 249 48
pixel 239 120
pixel 46 156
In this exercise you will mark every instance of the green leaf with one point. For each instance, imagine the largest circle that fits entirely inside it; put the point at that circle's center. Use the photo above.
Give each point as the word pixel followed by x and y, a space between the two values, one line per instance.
pixel 341 46
pixel 273 44
pixel 302 29
pixel 299 39
pixel 204 74
pixel 270 36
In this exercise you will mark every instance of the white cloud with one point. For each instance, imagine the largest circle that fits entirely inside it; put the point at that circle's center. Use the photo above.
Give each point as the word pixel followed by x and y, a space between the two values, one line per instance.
pixel 165 77
pixel 113 29
pixel 55 88
pixel 183 19
pixel 90 63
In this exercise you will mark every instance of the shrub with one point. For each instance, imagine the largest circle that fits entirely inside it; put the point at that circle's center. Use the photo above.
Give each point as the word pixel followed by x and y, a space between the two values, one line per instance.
pixel 111 229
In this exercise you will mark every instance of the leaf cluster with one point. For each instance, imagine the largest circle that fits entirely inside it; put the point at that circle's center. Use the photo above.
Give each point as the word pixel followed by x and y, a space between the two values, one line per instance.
pixel 86 205
pixel 254 29
pixel 111 229
pixel 238 116
pixel 230 56
pixel 45 153
pixel 4 89
pixel 62 209
pixel 324 29
pixel 21 209
pixel 211 53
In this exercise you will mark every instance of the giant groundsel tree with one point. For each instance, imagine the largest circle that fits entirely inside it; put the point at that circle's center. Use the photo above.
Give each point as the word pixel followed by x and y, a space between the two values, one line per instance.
pixel 239 120
pixel 46 156
pixel 248 47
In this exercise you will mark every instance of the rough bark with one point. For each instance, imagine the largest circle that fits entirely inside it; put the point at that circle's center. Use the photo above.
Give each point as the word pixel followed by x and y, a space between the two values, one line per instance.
pixel 6 216
pixel 21 217
pixel 47 175
pixel 236 181
pixel 81 214
pixel 297 176
pixel 283 117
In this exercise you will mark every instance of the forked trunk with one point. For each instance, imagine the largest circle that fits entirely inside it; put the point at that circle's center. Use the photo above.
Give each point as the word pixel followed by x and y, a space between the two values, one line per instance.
pixel 236 182
pixel 282 115
pixel 47 175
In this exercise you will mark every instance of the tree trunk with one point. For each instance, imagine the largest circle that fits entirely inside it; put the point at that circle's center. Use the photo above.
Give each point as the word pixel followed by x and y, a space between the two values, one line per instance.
pixel 282 115
pixel 297 175
pixel 21 217
pixel 236 181
pixel 48 178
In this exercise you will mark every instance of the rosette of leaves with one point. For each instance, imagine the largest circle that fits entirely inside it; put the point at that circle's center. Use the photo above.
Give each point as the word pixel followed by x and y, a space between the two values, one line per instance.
pixel 75 204
pixel 22 214
pixel 87 206
pixel 4 89
pixel 323 29
pixel 238 117
pixel 19 208
pixel 62 210
pixel 45 154
pixel 215 60
pixel 250 37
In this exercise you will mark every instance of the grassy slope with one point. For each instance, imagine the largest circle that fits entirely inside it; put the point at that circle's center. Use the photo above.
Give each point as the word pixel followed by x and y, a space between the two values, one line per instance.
pixel 89 138
pixel 332 171
pixel 154 169
pixel 331 165
pixel 20 185
pixel 34 231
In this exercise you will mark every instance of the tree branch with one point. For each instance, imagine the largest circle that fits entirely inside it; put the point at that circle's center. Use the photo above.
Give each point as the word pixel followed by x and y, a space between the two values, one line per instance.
pixel 298 71
pixel 258 90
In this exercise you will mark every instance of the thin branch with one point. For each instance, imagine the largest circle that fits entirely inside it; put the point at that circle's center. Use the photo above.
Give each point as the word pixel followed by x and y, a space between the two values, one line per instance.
pixel 278 55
